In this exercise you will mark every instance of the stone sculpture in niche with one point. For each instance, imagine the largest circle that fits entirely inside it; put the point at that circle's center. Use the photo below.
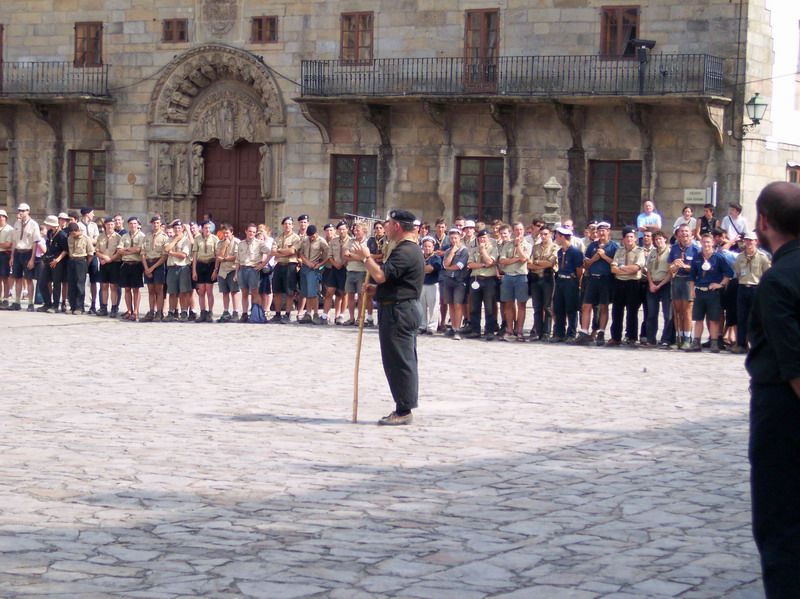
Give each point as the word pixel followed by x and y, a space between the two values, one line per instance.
pixel 265 171
pixel 198 169
pixel 164 170
pixel 181 171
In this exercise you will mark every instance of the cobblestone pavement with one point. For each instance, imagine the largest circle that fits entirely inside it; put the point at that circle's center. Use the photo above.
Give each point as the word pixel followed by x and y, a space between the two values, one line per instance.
pixel 185 460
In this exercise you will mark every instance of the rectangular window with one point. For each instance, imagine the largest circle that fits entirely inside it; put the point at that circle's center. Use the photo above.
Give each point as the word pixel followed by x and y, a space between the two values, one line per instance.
pixel 793 174
pixel 87 179
pixel 88 44
pixel 264 30
pixel 356 36
pixel 175 31
pixel 615 191
pixel 354 185
pixel 618 26
pixel 479 188
pixel 481 45
pixel 3 177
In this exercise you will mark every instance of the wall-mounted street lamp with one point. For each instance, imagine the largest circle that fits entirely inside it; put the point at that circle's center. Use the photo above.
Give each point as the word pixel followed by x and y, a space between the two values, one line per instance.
pixel 755 107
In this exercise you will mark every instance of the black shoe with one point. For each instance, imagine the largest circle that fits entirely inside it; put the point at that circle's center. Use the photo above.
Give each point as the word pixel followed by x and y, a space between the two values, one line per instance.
pixel 192 316
pixel 15 306
pixel 44 308
pixel 31 308
pixel 102 312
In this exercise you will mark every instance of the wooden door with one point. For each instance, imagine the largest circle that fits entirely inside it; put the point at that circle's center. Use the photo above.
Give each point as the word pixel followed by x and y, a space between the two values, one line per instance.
pixel 232 188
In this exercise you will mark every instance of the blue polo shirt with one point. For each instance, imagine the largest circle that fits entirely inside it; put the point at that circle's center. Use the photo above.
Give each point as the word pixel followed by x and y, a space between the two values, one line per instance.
pixel 569 263
pixel 718 271
pixel 690 255
pixel 601 267
pixel 432 277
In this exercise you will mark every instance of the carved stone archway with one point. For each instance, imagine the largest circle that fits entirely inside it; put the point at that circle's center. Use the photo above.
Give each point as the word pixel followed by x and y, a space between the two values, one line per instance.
pixel 212 92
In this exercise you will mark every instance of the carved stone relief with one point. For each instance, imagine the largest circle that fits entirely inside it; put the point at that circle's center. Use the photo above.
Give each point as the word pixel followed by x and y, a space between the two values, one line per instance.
pixel 220 15
pixel 229 116
pixel 198 169
pixel 265 171
pixel 165 163
pixel 181 170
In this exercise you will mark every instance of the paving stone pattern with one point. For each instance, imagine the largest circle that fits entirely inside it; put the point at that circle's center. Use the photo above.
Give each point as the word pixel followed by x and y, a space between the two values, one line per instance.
pixel 185 460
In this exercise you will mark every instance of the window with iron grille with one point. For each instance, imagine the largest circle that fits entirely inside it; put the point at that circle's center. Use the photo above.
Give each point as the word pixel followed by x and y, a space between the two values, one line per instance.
pixel 618 26
pixel 87 179
pixel 356 36
pixel 615 191
pixel 354 185
pixel 479 188
pixel 264 30
pixel 175 31
pixel 88 44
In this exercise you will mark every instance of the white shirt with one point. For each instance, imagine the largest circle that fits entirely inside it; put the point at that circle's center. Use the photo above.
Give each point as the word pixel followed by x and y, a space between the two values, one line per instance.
pixel 25 237
pixel 734 226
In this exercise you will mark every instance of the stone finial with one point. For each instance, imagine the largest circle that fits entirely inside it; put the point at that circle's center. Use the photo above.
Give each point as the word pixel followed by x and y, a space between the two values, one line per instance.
pixel 552 205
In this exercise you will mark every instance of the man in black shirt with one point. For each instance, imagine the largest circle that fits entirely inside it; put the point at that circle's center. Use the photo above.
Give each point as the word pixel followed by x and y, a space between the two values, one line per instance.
pixel 399 280
pixel 774 367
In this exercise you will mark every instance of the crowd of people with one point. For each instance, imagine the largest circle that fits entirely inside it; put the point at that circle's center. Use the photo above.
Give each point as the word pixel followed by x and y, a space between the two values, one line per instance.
pixel 479 277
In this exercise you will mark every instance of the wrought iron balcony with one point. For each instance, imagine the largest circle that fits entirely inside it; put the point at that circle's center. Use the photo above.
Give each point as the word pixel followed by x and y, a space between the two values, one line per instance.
pixel 52 79
pixel 545 76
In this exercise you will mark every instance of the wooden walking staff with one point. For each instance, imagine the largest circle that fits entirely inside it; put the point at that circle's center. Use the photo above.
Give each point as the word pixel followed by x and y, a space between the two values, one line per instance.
pixel 364 299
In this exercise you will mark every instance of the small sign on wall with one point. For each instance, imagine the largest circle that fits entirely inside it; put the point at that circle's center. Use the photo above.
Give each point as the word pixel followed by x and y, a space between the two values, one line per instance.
pixel 694 196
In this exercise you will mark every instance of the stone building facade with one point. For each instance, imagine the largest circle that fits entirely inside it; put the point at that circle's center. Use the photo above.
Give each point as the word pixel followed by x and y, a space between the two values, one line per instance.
pixel 253 110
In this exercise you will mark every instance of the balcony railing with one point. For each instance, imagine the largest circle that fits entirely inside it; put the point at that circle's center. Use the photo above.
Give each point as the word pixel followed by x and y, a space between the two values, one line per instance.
pixel 31 79
pixel 547 76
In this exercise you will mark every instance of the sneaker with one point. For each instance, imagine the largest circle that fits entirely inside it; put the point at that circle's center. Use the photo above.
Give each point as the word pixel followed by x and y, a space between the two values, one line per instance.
pixel 394 420
pixel 225 317
pixel 323 319
pixel 339 320
pixel 457 336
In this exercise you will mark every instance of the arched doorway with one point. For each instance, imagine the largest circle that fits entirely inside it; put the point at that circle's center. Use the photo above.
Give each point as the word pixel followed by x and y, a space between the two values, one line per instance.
pixel 232 190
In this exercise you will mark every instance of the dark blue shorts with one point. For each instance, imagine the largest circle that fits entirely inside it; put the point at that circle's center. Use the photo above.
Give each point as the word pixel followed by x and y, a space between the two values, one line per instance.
pixel 20 268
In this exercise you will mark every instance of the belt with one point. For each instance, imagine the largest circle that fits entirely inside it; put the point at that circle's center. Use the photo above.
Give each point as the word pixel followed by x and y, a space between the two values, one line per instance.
pixel 598 276
pixel 748 284
pixel 566 276
pixel 485 277
pixel 704 288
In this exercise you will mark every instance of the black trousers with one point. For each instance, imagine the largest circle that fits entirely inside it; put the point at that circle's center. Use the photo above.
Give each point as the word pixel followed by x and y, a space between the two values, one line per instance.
pixel 397 332
pixel 774 453
pixel 566 299
pixel 626 302
pixel 660 299
pixel 55 277
pixel 542 299
pixel 745 294
pixel 484 297
pixel 76 279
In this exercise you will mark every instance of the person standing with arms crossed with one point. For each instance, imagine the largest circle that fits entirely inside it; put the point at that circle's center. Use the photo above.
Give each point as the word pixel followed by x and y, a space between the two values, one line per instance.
pixel 399 284
pixel 774 367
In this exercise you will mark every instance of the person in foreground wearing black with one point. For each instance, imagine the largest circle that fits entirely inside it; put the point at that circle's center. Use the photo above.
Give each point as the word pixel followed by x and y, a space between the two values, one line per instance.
pixel 774 367
pixel 399 284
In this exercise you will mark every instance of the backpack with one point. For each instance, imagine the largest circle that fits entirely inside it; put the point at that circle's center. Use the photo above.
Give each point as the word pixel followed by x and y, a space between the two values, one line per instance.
pixel 257 315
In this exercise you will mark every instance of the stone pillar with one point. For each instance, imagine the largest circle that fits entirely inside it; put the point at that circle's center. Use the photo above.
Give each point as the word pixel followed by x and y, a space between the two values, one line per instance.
pixel 552 205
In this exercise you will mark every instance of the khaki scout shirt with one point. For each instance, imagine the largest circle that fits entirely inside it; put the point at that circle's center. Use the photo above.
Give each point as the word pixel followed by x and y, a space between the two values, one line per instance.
pixel 153 246
pixel 658 264
pixel 337 249
pixel 356 265
pixel 184 246
pixel 205 250
pixel 750 269
pixel 316 251
pixel 508 250
pixel 106 245
pixel 540 252
pixel 475 256
pixel 7 236
pixel 288 241
pixel 250 253
pixel 226 249
pixel 26 236
pixel 80 247
pixel 129 242
pixel 623 257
